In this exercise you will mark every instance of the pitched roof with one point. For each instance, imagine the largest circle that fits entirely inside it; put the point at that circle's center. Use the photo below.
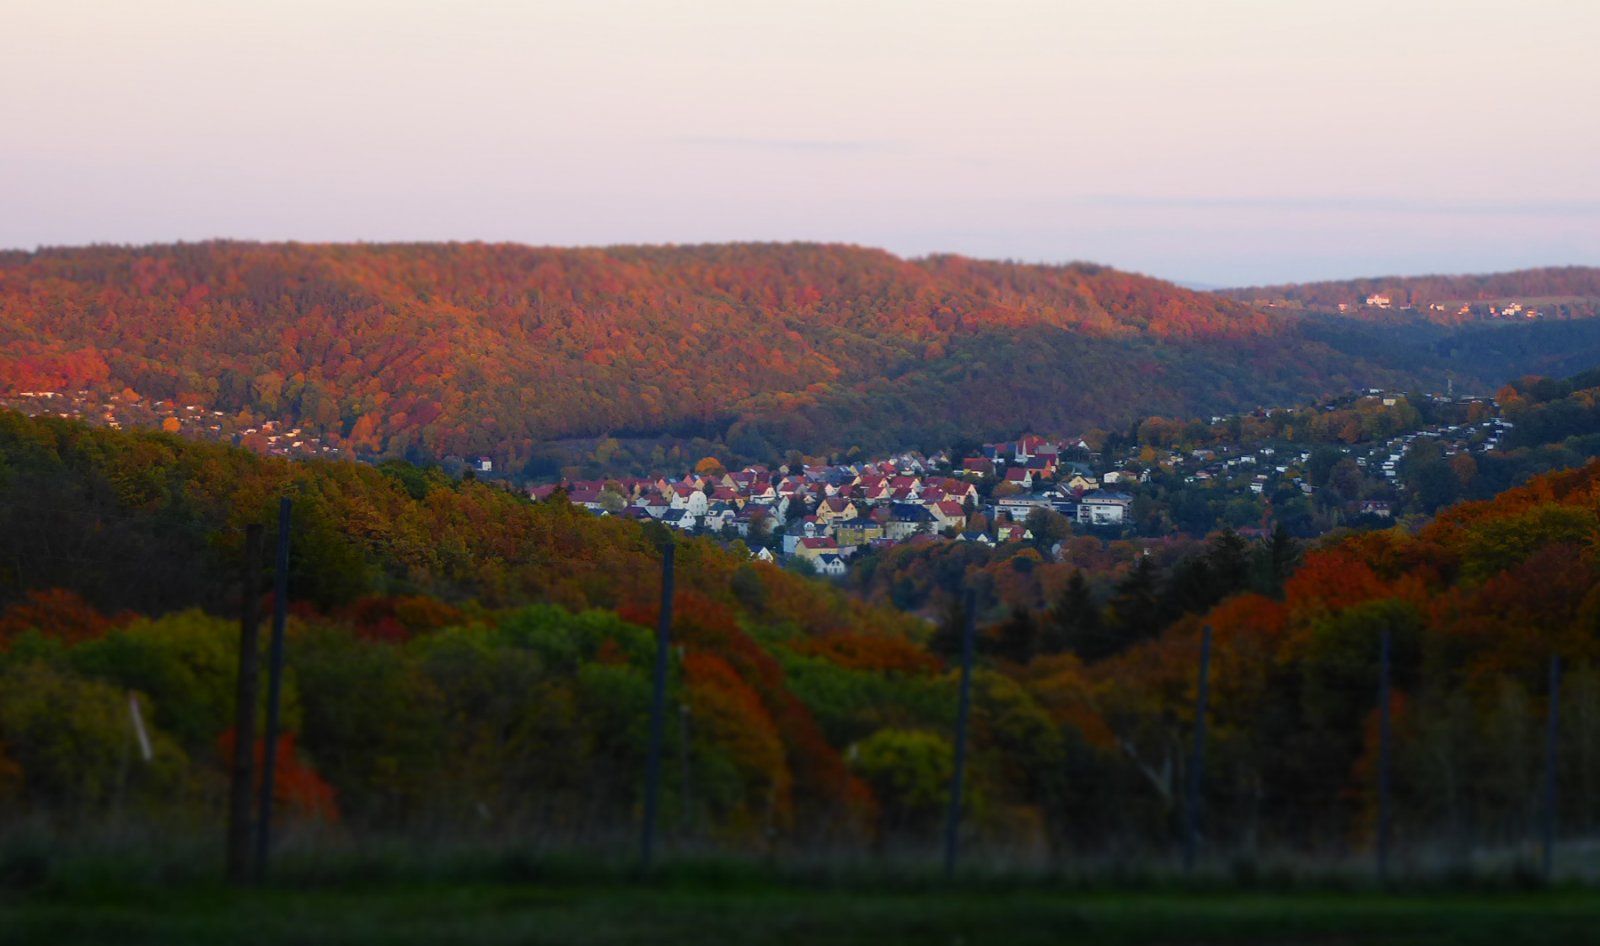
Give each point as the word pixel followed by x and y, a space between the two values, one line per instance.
pixel 910 512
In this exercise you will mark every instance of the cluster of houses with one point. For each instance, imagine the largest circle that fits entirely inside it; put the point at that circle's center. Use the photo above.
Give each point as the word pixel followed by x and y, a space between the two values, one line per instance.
pixel 1508 310
pixel 1384 458
pixel 828 513
pixel 1268 467
pixel 117 411
pixel 1466 310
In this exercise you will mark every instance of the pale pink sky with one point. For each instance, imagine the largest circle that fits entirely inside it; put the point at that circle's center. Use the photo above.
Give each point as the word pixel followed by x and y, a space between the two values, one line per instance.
pixel 1223 141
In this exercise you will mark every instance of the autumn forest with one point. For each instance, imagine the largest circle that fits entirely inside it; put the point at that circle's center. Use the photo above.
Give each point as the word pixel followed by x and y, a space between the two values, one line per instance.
pixel 466 662
pixel 428 350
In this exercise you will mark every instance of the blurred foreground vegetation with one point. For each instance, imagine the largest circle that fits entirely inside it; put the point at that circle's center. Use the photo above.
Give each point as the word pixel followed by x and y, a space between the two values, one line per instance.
pixel 463 663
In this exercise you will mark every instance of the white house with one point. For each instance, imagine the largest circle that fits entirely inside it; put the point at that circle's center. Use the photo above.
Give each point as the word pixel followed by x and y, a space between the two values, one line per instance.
pixel 691 501
pixel 830 565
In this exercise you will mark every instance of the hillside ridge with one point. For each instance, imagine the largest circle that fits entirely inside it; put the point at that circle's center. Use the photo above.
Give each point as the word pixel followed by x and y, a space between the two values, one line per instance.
pixel 427 350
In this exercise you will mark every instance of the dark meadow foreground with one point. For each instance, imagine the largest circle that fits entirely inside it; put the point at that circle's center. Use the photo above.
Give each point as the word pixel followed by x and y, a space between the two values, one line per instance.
pixel 744 906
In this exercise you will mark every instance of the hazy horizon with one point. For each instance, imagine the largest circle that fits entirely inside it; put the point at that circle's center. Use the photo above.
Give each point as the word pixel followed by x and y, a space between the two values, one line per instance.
pixel 1234 143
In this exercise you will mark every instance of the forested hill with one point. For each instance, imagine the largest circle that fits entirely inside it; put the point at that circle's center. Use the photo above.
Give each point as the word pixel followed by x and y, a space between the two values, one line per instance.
pixel 148 522
pixel 1564 291
pixel 464 663
pixel 434 349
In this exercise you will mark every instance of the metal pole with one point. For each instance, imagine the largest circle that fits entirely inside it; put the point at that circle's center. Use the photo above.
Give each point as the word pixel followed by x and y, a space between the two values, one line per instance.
pixel 952 821
pixel 1552 739
pixel 1385 762
pixel 242 781
pixel 1197 758
pixel 269 757
pixel 658 712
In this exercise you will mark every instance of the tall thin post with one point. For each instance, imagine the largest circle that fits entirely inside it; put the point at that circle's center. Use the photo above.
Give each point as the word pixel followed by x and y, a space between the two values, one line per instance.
pixel 1552 741
pixel 269 756
pixel 658 713
pixel 686 798
pixel 242 776
pixel 1197 756
pixel 1385 761
pixel 952 820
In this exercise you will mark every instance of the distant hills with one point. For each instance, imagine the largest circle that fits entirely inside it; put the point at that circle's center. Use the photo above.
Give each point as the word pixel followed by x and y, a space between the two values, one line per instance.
pixel 1559 291
pixel 429 350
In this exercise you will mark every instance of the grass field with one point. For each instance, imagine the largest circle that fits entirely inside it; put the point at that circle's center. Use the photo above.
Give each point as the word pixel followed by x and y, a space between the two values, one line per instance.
pixel 149 887
pixel 772 913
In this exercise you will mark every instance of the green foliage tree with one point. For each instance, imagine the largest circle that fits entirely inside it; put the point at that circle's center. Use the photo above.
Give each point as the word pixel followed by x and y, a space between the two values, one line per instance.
pixel 909 771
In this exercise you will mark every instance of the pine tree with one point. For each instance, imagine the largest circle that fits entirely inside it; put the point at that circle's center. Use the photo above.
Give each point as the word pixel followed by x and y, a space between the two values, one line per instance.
pixel 1074 623
pixel 1276 559
pixel 1133 613
pixel 1017 638
pixel 1228 560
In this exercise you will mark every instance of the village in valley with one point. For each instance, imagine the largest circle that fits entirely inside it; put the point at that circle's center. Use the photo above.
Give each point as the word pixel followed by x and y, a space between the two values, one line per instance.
pixel 1248 473
pixel 1340 462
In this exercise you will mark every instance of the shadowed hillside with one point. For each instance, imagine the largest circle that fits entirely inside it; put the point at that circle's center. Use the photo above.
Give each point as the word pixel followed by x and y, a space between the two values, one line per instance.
pixel 436 349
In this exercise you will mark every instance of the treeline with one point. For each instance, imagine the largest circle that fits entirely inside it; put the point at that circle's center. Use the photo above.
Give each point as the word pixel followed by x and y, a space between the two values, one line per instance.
pixel 1549 410
pixel 460 658
pixel 1361 419
pixel 1578 286
pixel 1556 426
pixel 431 350
pixel 1091 598
pixel 1477 603
pixel 471 663
pixel 151 523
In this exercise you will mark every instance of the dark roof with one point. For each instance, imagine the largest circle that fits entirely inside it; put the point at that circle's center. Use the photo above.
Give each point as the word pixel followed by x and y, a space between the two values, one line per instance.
pixel 909 512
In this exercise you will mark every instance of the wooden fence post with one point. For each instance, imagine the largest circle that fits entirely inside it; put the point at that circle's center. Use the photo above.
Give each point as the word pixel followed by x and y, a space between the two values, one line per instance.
pixel 1385 757
pixel 242 776
pixel 952 821
pixel 1197 759
pixel 658 712
pixel 269 755
pixel 1552 748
